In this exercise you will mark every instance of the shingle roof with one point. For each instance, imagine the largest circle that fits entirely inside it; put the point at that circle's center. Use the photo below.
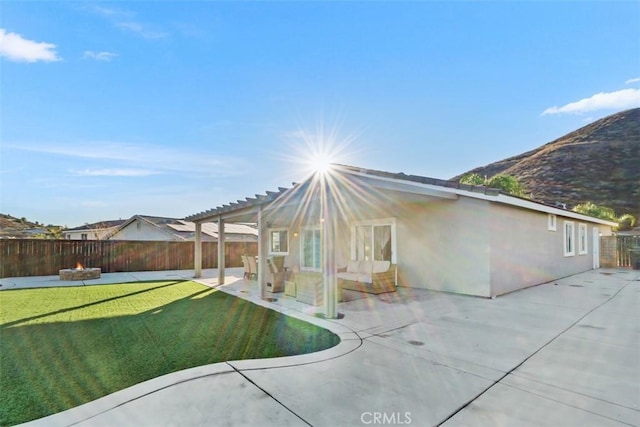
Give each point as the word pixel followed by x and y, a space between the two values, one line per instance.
pixel 477 191
pixel 185 230
pixel 99 225
pixel 423 180
pixel 271 196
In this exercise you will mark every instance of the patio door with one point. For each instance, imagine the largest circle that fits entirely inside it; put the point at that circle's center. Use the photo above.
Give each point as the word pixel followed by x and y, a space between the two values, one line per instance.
pixel 311 249
pixel 374 241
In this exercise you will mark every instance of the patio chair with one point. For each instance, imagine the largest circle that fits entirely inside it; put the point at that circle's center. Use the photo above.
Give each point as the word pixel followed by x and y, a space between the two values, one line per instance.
pixel 276 273
pixel 253 267
pixel 247 268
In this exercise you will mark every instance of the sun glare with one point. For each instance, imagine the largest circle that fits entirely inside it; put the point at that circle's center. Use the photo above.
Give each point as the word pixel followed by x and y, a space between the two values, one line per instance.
pixel 315 151
pixel 320 163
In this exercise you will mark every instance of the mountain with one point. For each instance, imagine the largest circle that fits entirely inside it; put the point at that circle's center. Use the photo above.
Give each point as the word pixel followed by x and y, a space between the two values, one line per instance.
pixel 21 228
pixel 599 162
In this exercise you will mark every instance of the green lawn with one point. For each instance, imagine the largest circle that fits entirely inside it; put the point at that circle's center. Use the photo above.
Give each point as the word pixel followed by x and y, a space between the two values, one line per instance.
pixel 61 347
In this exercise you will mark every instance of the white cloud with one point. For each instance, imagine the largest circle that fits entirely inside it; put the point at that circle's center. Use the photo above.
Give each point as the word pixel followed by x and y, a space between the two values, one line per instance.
pixel 18 49
pixel 636 80
pixel 116 156
pixel 142 30
pixel 619 100
pixel 114 172
pixel 99 56
pixel 125 20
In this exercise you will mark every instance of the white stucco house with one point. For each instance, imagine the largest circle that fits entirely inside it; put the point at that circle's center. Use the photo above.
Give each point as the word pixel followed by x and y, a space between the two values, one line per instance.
pixel 430 233
pixel 95 231
pixel 155 228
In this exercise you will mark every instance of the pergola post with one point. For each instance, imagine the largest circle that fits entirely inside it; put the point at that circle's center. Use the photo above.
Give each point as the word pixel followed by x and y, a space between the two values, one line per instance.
pixel 197 251
pixel 221 250
pixel 262 254
pixel 330 280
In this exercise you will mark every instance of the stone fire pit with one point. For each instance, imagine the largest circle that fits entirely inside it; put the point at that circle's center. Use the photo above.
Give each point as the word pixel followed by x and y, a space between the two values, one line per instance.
pixel 80 273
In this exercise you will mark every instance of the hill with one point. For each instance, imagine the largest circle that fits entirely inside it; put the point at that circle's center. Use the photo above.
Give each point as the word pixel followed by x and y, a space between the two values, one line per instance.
pixel 21 228
pixel 599 162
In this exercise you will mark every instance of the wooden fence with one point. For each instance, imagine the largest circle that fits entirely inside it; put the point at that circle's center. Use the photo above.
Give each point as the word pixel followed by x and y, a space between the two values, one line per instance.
pixel 33 257
pixel 616 251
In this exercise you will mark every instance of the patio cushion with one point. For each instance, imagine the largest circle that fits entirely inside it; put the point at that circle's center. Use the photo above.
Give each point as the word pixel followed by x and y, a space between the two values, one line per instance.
pixel 348 276
pixel 364 278
pixel 366 267
pixel 381 266
pixel 352 267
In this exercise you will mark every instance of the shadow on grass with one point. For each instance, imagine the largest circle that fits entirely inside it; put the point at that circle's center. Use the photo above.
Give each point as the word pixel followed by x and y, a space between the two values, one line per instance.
pixel 50 367
pixel 79 307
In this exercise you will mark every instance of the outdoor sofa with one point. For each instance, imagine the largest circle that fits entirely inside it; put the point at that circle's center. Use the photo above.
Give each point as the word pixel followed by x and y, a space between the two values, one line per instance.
pixel 374 277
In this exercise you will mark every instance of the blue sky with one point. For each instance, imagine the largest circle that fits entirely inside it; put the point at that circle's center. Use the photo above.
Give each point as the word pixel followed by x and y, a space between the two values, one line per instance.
pixel 111 109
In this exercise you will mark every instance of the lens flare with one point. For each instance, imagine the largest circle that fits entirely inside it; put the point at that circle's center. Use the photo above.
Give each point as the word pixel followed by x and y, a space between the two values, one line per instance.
pixel 320 163
pixel 312 151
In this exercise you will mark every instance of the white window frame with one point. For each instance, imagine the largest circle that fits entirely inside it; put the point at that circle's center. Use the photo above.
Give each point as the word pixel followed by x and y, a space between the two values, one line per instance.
pixel 376 222
pixel 302 242
pixel 278 230
pixel 583 245
pixel 569 238
pixel 552 222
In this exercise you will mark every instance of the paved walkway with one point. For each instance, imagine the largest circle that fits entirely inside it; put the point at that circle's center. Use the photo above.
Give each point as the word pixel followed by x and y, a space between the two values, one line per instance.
pixel 564 353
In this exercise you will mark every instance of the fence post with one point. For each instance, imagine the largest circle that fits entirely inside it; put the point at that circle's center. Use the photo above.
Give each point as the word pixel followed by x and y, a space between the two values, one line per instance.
pixel 221 250
pixel 197 251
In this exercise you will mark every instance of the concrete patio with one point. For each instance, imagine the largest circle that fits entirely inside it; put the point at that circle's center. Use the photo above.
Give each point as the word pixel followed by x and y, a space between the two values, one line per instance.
pixel 563 353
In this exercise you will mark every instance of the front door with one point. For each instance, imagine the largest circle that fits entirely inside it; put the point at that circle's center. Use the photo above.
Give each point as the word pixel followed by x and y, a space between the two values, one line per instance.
pixel 596 248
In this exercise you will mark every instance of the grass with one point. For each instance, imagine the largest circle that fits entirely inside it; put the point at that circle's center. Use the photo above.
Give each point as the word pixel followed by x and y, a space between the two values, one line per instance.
pixel 61 347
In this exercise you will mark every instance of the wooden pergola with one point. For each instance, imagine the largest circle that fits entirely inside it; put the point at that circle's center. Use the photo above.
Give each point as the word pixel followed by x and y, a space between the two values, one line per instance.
pixel 314 193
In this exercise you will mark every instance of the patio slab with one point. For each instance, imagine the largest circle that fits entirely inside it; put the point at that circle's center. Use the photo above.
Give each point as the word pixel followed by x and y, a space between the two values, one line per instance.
pixel 563 353
pixel 192 403
pixel 509 406
pixel 374 379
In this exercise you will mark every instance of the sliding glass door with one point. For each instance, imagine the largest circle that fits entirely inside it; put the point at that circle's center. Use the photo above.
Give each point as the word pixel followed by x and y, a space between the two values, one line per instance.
pixel 374 241
pixel 311 249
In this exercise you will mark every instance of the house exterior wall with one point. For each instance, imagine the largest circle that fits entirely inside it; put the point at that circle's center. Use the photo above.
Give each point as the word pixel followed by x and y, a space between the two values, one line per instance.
pixel 92 234
pixel 442 246
pixel 141 230
pixel 293 257
pixel 468 246
pixel 524 252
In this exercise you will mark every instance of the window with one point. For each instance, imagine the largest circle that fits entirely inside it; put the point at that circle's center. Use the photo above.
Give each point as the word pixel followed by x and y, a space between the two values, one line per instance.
pixel 311 247
pixel 374 241
pixel 84 236
pixel 551 222
pixel 569 249
pixel 279 241
pixel 582 239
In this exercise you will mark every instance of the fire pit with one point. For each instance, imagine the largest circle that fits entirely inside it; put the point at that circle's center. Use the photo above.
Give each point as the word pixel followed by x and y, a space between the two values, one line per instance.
pixel 80 273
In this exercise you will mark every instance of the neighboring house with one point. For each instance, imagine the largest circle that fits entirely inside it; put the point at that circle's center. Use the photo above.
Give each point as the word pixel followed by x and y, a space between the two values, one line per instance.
pixel 441 235
pixel 143 227
pixel 95 231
